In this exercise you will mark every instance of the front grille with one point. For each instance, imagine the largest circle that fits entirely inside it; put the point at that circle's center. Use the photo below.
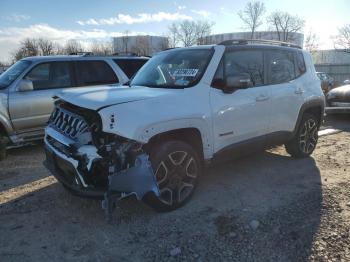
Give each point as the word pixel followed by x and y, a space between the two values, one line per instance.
pixel 68 123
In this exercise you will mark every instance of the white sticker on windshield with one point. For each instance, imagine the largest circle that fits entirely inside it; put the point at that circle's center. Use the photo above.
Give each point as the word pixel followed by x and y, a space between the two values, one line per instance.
pixel 185 72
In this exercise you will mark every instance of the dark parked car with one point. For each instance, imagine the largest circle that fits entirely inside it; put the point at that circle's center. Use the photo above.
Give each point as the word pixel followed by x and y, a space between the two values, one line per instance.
pixel 327 82
pixel 338 100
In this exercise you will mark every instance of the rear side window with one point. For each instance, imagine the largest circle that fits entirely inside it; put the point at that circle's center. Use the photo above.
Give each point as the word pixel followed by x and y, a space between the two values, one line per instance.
pixel 280 66
pixel 300 64
pixel 130 66
pixel 50 75
pixel 95 73
pixel 245 62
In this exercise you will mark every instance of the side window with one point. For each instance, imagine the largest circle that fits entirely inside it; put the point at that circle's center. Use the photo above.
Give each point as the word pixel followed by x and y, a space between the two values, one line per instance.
pixel 300 66
pixel 130 66
pixel 280 66
pixel 245 62
pixel 50 75
pixel 95 73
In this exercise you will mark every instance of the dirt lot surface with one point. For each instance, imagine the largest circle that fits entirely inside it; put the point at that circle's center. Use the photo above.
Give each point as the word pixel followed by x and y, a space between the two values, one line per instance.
pixel 265 207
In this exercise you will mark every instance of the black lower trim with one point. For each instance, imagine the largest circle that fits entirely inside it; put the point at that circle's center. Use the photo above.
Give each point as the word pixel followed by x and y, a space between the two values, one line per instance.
pixel 252 145
pixel 338 110
pixel 317 103
pixel 65 173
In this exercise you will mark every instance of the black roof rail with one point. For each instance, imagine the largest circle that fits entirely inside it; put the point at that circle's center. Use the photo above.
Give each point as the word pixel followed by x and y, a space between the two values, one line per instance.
pixel 170 48
pixel 125 54
pixel 82 53
pixel 258 41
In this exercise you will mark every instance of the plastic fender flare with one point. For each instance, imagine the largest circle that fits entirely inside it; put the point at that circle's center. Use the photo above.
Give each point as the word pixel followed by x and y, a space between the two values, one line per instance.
pixel 313 103
pixel 6 125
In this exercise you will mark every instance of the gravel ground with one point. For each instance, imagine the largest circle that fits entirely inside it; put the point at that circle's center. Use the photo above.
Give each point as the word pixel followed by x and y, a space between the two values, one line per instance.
pixel 265 207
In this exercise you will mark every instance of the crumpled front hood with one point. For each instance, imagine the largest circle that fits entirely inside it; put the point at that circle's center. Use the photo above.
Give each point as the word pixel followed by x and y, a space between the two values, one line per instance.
pixel 98 97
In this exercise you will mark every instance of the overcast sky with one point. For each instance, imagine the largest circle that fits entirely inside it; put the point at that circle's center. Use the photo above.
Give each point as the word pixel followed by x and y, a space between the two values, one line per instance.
pixel 61 20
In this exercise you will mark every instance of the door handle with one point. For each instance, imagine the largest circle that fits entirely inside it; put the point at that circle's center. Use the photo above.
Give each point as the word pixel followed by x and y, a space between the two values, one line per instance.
pixel 299 91
pixel 261 98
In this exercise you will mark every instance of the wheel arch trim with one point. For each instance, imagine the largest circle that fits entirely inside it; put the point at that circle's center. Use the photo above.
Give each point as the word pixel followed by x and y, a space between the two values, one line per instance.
pixel 204 146
pixel 316 103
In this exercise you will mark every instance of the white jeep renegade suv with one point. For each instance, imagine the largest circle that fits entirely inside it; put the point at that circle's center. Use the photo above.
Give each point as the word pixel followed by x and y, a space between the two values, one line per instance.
pixel 184 107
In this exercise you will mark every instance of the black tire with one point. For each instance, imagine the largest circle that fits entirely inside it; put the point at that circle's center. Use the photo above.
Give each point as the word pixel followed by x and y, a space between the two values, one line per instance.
pixel 3 144
pixel 177 167
pixel 305 140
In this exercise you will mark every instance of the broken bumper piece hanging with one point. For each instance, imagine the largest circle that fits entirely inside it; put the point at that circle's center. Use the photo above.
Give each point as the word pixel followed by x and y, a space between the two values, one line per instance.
pixel 78 169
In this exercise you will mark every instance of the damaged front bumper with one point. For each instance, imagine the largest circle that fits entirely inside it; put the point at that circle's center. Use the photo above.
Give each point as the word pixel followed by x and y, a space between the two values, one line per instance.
pixel 72 166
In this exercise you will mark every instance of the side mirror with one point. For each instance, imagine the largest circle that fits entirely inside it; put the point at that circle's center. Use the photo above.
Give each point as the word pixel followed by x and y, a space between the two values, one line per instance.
pixel 241 81
pixel 25 85
pixel 219 83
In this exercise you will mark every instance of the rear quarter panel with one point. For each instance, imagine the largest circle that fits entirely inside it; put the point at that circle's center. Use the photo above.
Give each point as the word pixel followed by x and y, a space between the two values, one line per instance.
pixel 311 83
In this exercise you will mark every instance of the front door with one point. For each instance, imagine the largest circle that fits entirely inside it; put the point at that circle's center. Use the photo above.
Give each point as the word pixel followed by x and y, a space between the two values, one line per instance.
pixel 244 114
pixel 31 110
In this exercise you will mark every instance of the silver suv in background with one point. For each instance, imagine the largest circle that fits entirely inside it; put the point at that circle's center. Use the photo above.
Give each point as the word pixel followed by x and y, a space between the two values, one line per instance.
pixel 27 89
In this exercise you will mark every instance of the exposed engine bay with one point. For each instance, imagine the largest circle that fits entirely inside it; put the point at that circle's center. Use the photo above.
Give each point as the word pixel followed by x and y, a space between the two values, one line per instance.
pixel 92 160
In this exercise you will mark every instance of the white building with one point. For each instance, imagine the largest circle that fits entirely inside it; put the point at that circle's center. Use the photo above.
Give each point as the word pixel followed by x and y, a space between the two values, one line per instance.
pixel 336 63
pixel 145 45
pixel 295 38
pixel 331 57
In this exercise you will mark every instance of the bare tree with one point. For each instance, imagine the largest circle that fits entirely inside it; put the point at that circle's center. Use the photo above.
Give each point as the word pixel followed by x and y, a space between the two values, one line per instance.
pixel 203 29
pixel 28 47
pixel 31 47
pixel 46 47
pixel 72 47
pixel 342 39
pixel 173 35
pixel 18 55
pixel 285 24
pixel 59 49
pixel 252 15
pixel 101 48
pixel 189 33
pixel 311 42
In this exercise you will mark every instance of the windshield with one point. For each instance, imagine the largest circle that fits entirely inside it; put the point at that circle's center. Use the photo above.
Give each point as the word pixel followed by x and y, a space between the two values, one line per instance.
pixel 174 69
pixel 13 72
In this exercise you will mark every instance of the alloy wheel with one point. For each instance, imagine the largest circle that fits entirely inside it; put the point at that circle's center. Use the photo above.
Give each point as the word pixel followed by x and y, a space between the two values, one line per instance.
pixel 308 136
pixel 176 176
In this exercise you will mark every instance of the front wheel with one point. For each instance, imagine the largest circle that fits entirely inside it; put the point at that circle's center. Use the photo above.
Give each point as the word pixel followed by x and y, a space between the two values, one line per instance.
pixel 177 168
pixel 305 140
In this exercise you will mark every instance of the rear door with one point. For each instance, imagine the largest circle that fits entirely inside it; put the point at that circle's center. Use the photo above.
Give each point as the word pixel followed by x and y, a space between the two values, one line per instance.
pixel 94 72
pixel 30 110
pixel 285 71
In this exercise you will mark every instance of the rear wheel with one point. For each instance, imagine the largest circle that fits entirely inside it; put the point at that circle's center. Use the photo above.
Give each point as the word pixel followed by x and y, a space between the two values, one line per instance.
pixel 304 142
pixel 177 168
